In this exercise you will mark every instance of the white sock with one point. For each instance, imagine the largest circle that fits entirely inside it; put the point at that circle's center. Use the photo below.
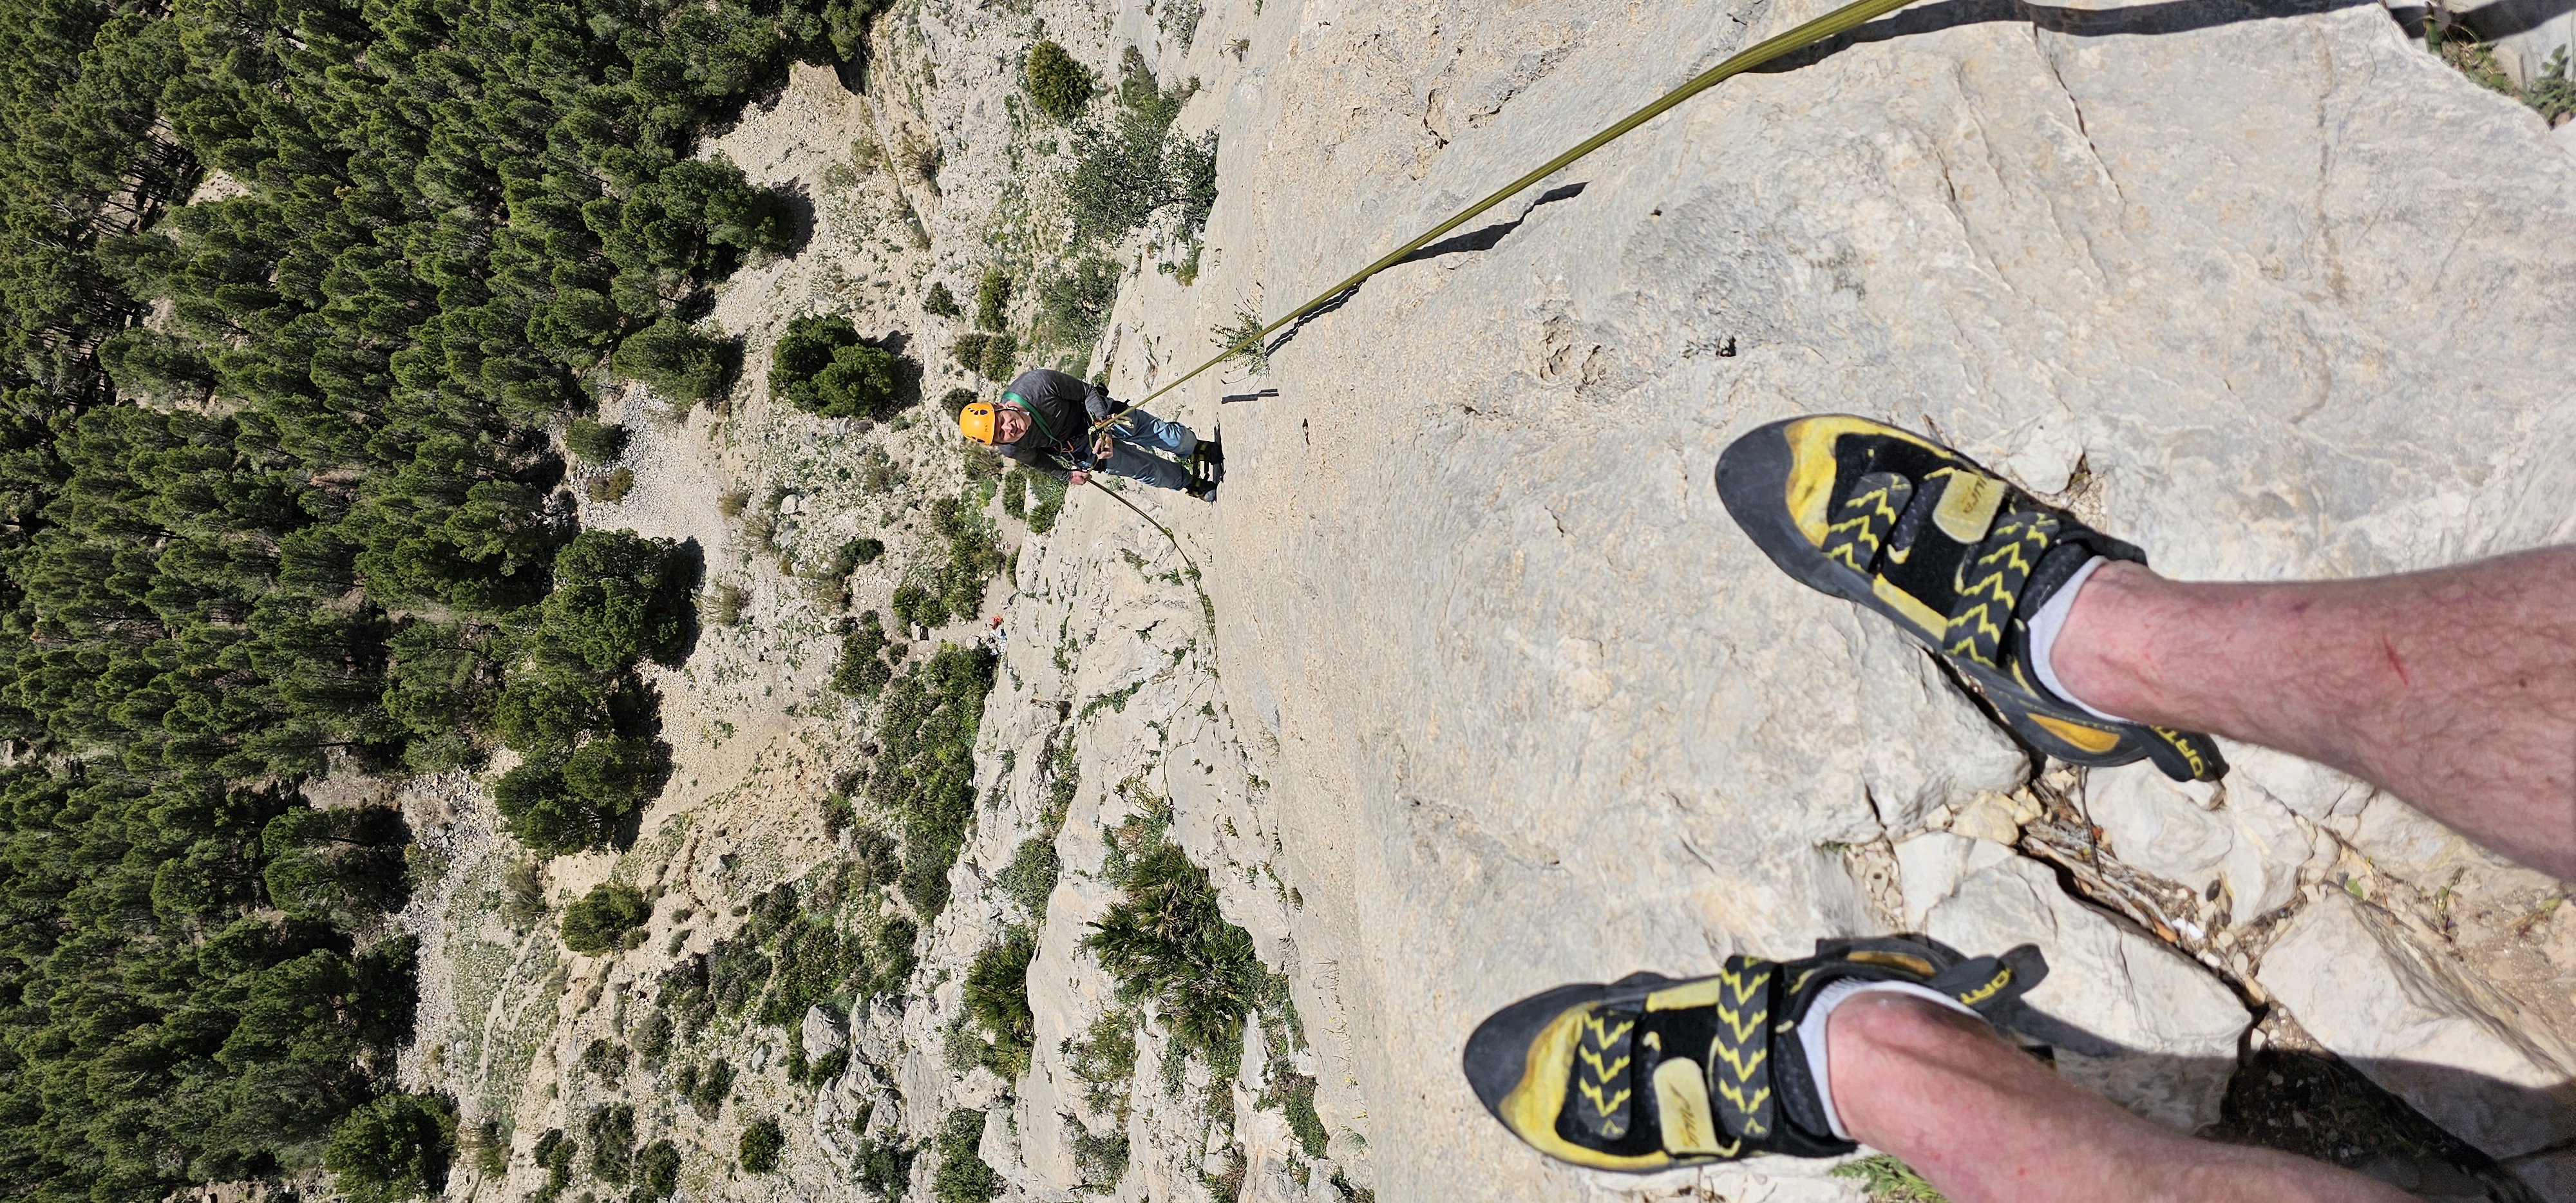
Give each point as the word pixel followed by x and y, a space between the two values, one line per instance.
pixel 1811 1031
pixel 2044 627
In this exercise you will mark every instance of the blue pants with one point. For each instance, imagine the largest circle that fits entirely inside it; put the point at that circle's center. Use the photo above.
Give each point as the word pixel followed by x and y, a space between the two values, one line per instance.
pixel 1134 434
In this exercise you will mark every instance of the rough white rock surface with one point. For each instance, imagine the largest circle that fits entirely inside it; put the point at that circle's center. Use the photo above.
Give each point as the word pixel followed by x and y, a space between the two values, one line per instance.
pixel 2171 1030
pixel 2295 294
pixel 2418 1029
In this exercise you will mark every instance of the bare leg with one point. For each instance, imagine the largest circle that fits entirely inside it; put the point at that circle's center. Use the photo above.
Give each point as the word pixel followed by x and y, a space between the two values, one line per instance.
pixel 2453 689
pixel 1984 1122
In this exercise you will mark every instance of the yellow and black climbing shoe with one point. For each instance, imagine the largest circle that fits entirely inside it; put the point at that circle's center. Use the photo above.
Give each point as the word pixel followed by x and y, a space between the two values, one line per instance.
pixel 1949 552
pixel 1649 1073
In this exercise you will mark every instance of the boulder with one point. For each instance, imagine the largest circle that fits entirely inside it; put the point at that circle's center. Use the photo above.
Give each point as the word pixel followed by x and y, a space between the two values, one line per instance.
pixel 2152 823
pixel 2422 1029
pixel 822 1034
pixel 2162 1032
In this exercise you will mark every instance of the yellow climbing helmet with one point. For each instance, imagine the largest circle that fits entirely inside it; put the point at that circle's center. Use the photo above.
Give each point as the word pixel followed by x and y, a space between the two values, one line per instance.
pixel 976 422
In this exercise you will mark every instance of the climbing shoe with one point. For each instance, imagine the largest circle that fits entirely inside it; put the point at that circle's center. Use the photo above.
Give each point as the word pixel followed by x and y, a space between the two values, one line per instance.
pixel 1952 554
pixel 1207 462
pixel 1648 1073
pixel 1204 490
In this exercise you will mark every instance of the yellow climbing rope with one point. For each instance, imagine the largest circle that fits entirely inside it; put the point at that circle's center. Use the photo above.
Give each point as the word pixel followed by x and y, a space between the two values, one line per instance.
pixel 1847 17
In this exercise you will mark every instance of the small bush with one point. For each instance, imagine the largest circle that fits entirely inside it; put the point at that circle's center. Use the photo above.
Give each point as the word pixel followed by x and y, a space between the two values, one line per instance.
pixel 657 1171
pixel 1073 308
pixel 1049 494
pixel 997 995
pixel 992 299
pixel 866 550
pixel 760 1145
pixel 957 399
pixel 676 361
pixel 833 1063
pixel 940 302
pixel 609 918
pixel 962 1176
pixel 555 1152
pixel 969 351
pixel 1127 167
pixel 1166 939
pixel 892 961
pixel 394 1147
pixel 523 893
pixel 705 1087
pixel 613 487
pixel 612 1143
pixel 604 1059
pixel 595 442
pixel 820 365
pixel 724 605
pixel 925 774
pixel 1031 876
pixel 862 671
pixel 878 473
pixel 653 1038
pixel 1058 85
pixel 1888 1180
pixel 1001 355
pixel 730 502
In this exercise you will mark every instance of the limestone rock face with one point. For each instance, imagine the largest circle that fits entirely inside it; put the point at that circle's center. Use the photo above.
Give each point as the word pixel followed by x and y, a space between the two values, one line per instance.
pixel 2293 294
pixel 2421 1031
pixel 2167 1030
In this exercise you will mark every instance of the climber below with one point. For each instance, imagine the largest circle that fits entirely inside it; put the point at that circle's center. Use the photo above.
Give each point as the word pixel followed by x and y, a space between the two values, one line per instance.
pixel 1045 419
pixel 2449 689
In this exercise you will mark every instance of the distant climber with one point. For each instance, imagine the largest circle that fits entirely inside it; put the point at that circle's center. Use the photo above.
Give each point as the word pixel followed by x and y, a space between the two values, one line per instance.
pixel 2449 689
pixel 1044 420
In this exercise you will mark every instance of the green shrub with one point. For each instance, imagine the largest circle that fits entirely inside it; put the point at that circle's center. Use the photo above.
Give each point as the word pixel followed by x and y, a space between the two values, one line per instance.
pixel 1166 939
pixel 760 1145
pixel 1058 85
pixel 608 918
pixel 395 1147
pixel 992 299
pixel 1889 1180
pixel 862 670
pixel 969 351
pixel 1131 165
pixel 1049 493
pixel 657 1171
pixel 594 442
pixel 941 302
pixel 618 598
pixel 653 1038
pixel 556 1153
pixel 957 399
pixel 924 773
pixel 612 1142
pixel 884 1168
pixel 545 816
pixel 1031 876
pixel 614 774
pixel 1001 355
pixel 673 359
pixel 705 1087
pixel 613 487
pixel 893 959
pixel 1073 308
pixel 997 995
pixel 962 1176
pixel 822 366
pixel 824 1071
pixel 604 1059
pixel 866 550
